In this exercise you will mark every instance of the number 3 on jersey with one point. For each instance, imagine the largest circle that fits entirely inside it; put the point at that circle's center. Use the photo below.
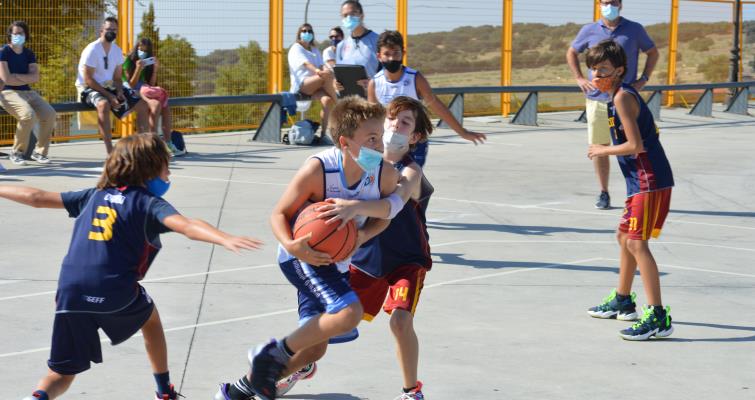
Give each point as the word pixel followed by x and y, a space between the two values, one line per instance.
pixel 105 223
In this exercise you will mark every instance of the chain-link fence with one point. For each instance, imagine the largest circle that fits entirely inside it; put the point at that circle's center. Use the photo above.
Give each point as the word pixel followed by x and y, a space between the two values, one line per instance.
pixel 210 48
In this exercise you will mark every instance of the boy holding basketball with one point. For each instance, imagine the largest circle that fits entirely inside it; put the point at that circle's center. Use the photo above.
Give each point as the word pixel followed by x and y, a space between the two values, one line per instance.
pixel 643 162
pixel 352 169
pixel 395 262
pixel 115 239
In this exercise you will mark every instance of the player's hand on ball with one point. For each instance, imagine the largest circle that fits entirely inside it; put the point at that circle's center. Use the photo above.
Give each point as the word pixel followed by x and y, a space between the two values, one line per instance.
pixel 300 249
pixel 338 209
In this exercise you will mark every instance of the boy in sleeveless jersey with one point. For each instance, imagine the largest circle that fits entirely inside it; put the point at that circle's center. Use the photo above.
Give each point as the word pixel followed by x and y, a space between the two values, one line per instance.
pixel 395 79
pixel 395 262
pixel 649 179
pixel 114 241
pixel 352 169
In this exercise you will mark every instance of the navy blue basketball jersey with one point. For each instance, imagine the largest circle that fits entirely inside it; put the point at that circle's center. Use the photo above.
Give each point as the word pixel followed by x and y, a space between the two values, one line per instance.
pixel 115 239
pixel 405 241
pixel 649 170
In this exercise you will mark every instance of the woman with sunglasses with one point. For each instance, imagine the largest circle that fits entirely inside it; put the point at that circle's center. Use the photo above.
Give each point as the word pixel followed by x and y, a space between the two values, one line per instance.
pixel 308 75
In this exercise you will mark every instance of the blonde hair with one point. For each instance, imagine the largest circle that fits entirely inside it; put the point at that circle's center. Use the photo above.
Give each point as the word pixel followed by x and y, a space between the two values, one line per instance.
pixel 349 113
pixel 134 160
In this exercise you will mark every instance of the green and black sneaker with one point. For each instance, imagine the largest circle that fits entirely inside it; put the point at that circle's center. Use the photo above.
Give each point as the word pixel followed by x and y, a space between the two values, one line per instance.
pixel 653 323
pixel 625 310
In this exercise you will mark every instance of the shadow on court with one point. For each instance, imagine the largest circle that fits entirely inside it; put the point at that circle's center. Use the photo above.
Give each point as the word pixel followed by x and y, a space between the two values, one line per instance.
pixel 515 229
pixel 458 259
pixel 322 396
pixel 715 326
pixel 716 213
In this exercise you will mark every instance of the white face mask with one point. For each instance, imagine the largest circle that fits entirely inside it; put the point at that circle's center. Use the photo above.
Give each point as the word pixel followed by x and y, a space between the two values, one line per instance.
pixel 396 144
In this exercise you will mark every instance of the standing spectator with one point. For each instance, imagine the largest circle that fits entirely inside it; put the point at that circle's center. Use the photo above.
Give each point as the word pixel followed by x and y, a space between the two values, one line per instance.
pixel 140 75
pixel 633 38
pixel 308 76
pixel 100 83
pixel 359 47
pixel 329 54
pixel 18 69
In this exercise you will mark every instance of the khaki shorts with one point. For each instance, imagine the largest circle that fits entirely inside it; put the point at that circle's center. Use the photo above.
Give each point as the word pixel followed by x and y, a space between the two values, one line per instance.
pixel 598 131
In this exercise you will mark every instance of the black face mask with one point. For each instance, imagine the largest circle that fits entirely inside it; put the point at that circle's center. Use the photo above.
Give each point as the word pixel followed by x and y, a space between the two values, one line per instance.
pixel 392 66
pixel 109 36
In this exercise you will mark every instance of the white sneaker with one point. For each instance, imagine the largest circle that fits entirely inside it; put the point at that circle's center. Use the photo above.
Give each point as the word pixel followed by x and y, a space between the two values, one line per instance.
pixel 285 385
pixel 175 151
pixel 16 158
pixel 40 158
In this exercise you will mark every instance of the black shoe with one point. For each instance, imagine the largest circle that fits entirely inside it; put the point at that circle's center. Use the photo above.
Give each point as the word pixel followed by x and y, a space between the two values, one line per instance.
pixel 604 201
pixel 613 308
pixel 268 362
pixel 653 323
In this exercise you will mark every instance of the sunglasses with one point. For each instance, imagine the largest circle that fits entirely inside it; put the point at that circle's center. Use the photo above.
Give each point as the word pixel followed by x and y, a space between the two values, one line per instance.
pixel 333 37
pixel 307 31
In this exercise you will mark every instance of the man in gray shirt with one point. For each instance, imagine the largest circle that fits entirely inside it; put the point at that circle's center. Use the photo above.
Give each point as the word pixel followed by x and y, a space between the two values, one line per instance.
pixel 633 38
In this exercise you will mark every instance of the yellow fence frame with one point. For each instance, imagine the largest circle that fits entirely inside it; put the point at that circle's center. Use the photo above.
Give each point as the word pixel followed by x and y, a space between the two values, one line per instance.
pixel 402 15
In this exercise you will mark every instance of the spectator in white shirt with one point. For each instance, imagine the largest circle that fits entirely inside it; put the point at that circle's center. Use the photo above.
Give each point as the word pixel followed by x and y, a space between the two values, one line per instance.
pixel 308 76
pixel 329 54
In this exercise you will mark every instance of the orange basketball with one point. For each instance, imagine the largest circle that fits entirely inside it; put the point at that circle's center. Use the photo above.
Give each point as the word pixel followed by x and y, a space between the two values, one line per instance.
pixel 325 238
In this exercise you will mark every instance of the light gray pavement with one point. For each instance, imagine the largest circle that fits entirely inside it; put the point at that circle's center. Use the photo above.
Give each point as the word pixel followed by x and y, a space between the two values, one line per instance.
pixel 520 254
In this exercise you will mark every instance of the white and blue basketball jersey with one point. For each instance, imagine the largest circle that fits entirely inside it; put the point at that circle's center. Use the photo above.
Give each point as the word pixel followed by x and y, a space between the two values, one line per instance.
pixel 335 186
pixel 386 90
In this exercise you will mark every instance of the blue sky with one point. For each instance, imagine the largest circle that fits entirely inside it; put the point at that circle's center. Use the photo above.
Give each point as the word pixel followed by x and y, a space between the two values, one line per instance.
pixel 227 24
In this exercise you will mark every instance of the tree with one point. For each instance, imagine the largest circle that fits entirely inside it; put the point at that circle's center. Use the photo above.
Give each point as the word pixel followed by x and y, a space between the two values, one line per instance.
pixel 178 66
pixel 247 76
pixel 148 28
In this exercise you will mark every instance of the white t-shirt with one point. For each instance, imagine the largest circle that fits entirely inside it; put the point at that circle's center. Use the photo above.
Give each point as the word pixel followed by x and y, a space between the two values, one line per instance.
pixel 94 56
pixel 329 54
pixel 297 56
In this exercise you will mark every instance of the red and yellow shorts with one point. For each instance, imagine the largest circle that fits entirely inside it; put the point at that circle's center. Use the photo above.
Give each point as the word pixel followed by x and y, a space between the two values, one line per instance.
pixel 645 213
pixel 402 287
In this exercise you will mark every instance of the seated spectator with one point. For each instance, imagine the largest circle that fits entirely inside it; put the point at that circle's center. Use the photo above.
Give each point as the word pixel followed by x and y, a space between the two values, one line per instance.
pixel 140 74
pixel 329 54
pixel 18 69
pixel 100 83
pixel 308 76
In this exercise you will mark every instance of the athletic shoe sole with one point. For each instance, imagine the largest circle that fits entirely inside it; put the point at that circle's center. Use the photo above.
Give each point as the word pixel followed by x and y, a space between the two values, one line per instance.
pixel 655 332
pixel 602 314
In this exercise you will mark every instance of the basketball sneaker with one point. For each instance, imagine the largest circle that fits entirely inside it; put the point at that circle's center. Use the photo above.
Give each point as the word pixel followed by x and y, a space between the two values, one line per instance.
pixel 604 201
pixel 16 158
pixel 414 394
pixel 652 323
pixel 173 395
pixel 268 362
pixel 613 308
pixel 285 385
pixel 223 393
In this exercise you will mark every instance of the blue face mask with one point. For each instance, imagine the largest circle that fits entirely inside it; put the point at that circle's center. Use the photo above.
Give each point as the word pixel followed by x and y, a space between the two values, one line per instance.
pixel 350 23
pixel 334 42
pixel 142 54
pixel 17 40
pixel 157 186
pixel 368 159
pixel 609 12
pixel 307 37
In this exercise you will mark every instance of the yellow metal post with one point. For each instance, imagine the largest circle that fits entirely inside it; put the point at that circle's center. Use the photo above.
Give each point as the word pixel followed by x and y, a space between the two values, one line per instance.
pixel 596 10
pixel 125 40
pixel 275 48
pixel 673 44
pixel 506 44
pixel 402 14
pixel 741 40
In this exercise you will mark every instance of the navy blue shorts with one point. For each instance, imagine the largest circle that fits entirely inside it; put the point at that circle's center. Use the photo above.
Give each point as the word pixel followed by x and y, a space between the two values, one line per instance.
pixel 75 338
pixel 419 154
pixel 320 290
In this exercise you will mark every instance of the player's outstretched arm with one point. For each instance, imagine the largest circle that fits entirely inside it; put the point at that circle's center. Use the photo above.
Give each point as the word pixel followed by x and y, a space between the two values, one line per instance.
pixel 305 186
pixel 30 196
pixel 426 93
pixel 196 229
